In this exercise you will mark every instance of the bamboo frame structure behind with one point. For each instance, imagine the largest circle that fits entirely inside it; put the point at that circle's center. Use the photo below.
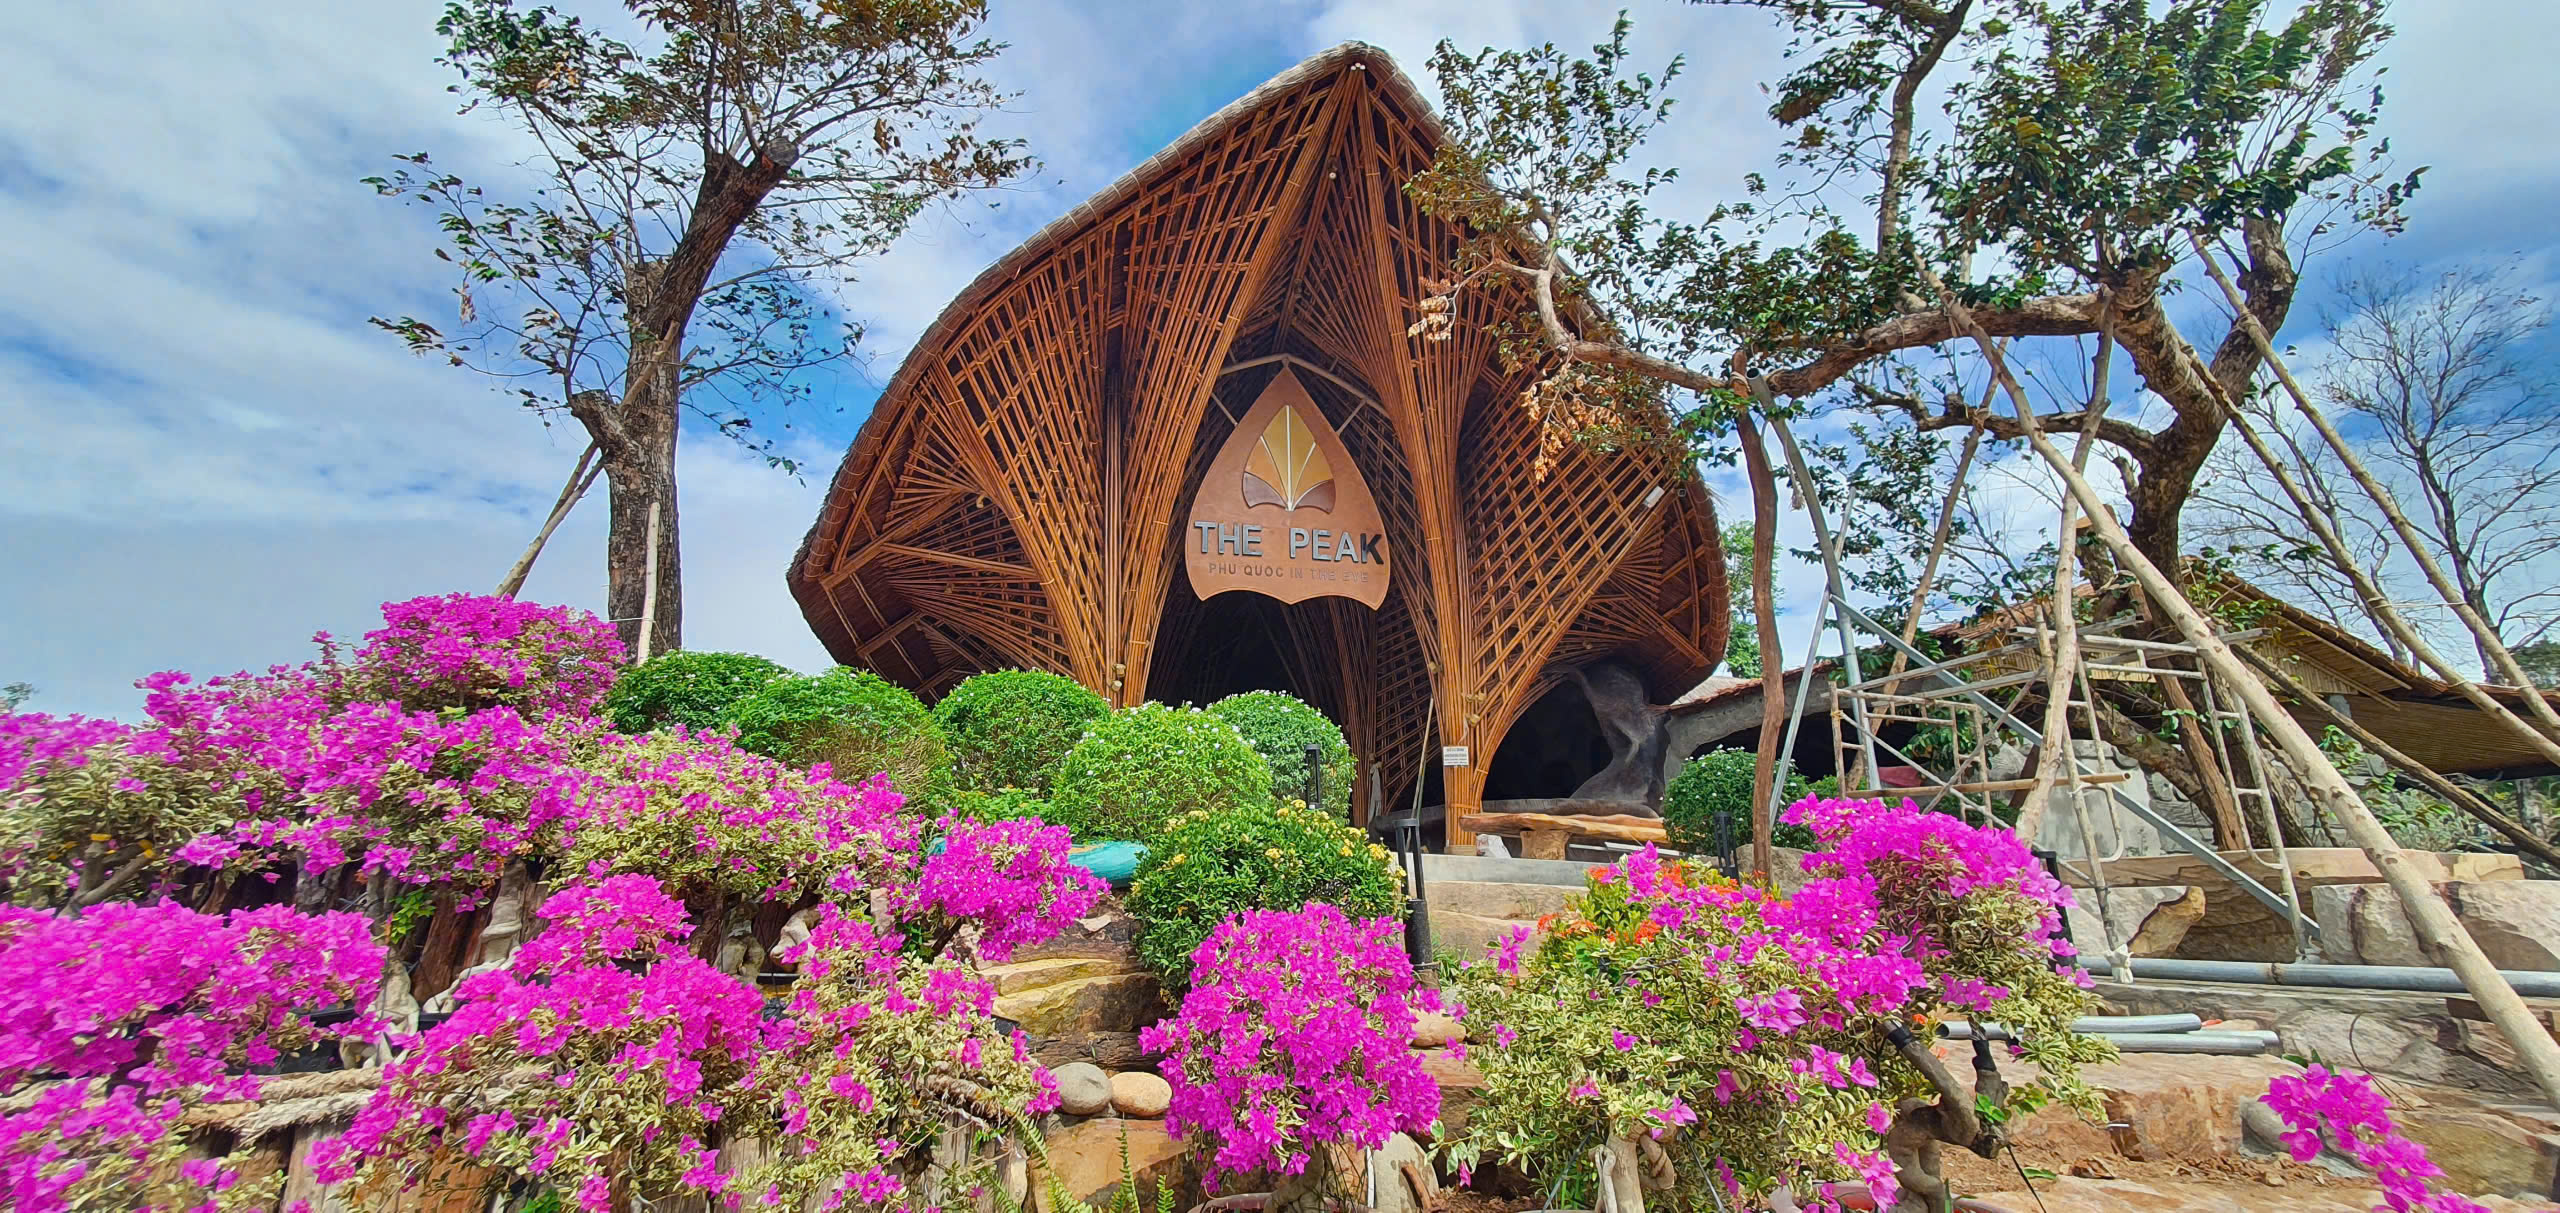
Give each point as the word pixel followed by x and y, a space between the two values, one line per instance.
pixel 1015 498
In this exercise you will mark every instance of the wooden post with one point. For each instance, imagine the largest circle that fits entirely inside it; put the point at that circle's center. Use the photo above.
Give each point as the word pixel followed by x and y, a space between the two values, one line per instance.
pixel 649 589
pixel 581 478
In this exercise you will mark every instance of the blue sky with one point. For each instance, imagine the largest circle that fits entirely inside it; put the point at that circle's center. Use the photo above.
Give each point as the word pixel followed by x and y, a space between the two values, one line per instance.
pixel 206 454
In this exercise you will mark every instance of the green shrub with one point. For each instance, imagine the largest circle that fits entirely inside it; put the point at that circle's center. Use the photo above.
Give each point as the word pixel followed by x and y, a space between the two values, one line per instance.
pixel 1138 767
pixel 686 688
pixel 1011 728
pixel 1280 728
pixel 854 720
pixel 1010 804
pixel 1717 784
pixel 1211 864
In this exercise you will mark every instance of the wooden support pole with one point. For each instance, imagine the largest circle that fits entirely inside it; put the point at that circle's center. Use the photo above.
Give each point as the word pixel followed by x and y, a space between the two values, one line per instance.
pixel 2062 672
pixel 2455 794
pixel 2433 921
pixel 649 589
pixel 581 478
pixel 2489 640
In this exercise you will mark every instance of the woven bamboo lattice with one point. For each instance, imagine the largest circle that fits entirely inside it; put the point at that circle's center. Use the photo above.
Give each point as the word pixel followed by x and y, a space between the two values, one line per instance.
pixel 1017 496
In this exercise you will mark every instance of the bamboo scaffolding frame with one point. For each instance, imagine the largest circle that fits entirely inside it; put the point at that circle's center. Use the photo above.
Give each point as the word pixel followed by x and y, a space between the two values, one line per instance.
pixel 2432 920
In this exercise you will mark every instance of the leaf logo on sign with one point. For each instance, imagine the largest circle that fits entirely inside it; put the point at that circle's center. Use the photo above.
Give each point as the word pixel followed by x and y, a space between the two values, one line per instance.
pixel 1287 468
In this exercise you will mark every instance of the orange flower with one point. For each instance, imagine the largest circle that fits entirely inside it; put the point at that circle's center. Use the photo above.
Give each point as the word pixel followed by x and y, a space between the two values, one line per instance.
pixel 1646 932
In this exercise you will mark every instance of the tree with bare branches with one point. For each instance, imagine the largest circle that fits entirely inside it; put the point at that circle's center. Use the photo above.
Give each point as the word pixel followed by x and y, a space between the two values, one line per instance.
pixel 2435 380
pixel 687 197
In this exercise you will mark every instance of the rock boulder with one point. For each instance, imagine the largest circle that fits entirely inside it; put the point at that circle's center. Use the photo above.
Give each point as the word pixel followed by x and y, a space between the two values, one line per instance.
pixel 1138 1094
pixel 1083 1089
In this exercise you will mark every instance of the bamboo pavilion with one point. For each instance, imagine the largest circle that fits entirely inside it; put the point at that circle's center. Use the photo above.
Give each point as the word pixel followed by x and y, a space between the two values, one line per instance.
pixel 1182 444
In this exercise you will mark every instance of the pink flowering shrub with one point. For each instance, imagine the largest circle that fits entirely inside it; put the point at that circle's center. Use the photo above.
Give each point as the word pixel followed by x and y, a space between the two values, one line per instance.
pixel 1011 878
pixel 471 651
pixel 455 745
pixel 714 821
pixel 1746 1033
pixel 607 1062
pixel 86 814
pixel 2324 1107
pixel 425 753
pixel 1294 1037
pixel 113 1022
pixel 876 1055
pixel 549 1066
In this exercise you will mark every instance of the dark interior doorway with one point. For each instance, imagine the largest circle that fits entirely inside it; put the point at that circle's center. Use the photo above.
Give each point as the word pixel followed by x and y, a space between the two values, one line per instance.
pixel 1551 749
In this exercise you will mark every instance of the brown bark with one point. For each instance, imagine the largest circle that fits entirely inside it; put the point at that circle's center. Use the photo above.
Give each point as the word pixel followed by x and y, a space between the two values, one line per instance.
pixel 1773 662
pixel 636 437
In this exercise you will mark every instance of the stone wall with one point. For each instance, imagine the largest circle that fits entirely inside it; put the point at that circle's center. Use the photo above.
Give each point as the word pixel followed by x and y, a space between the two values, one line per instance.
pixel 2515 922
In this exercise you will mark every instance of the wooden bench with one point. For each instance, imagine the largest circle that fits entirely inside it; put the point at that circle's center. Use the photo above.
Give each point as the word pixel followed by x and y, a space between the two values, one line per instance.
pixel 1546 835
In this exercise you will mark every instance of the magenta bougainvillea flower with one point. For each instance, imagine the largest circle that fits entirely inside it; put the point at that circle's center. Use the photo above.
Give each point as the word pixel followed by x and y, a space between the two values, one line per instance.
pixel 2324 1107
pixel 1296 1032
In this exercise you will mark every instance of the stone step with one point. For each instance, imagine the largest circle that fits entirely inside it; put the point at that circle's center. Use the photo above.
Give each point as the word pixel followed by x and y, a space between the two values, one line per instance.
pixel 1469 936
pixel 1480 869
pixel 1486 899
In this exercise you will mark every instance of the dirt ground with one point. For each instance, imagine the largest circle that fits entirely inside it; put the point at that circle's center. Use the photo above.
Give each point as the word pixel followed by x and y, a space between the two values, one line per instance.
pixel 2113 1184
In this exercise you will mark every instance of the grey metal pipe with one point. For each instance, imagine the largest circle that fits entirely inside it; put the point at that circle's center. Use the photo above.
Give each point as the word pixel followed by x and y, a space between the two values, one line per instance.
pixel 2399 978
pixel 2092 1025
pixel 2232 1044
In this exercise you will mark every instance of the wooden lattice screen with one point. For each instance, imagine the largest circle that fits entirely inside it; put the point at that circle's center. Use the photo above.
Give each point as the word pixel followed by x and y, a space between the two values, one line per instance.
pixel 1014 499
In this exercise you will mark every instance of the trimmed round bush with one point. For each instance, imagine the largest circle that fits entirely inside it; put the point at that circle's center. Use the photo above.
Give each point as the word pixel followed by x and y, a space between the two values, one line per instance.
pixel 1211 864
pixel 1280 727
pixel 1138 767
pixel 854 720
pixel 1011 728
pixel 1717 784
pixel 686 688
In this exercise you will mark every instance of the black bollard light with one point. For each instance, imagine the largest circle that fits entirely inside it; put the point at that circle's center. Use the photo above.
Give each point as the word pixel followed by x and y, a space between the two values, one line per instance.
pixel 1315 776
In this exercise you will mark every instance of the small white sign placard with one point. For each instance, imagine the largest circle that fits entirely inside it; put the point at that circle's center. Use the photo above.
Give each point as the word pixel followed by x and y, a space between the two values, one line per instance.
pixel 1453 756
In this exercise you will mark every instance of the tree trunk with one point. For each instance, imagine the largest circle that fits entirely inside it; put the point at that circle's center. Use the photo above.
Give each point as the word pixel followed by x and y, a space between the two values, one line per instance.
pixel 641 467
pixel 637 485
pixel 1773 661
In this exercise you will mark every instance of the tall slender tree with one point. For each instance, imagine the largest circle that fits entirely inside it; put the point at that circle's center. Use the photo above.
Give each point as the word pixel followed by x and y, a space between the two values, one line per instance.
pixel 2085 141
pixel 689 193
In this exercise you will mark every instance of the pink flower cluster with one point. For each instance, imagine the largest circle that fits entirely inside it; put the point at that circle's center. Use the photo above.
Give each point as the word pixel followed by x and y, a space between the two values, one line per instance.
pixel 605 1008
pixel 473 651
pixel 1671 998
pixel 668 1028
pixel 2321 1107
pixel 1296 1032
pixel 166 998
pixel 143 1009
pixel 1011 877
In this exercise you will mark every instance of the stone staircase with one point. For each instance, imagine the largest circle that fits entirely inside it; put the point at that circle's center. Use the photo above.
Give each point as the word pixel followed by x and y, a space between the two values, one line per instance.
pixel 1476 901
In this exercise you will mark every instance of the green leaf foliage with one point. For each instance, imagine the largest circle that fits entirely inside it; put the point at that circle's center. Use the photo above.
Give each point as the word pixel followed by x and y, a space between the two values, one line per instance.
pixel 854 720
pixel 1717 785
pixel 1140 767
pixel 1012 728
pixel 1009 804
pixel 1280 727
pixel 686 688
pixel 1209 865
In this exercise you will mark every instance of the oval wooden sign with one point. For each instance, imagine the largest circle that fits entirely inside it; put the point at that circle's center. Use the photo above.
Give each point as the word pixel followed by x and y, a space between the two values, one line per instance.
pixel 1284 512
